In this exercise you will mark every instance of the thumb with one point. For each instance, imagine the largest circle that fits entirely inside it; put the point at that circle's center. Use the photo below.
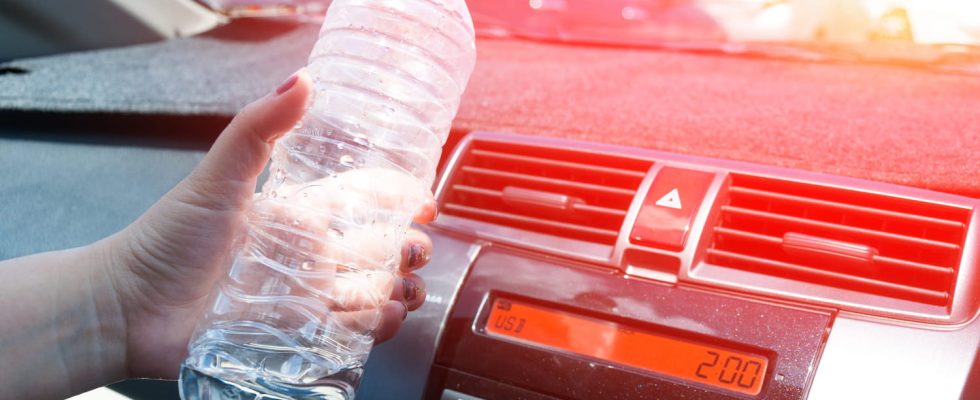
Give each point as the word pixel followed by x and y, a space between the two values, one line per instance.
pixel 243 148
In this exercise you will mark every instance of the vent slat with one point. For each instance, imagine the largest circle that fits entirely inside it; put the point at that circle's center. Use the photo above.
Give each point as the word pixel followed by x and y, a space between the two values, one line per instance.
pixel 600 210
pixel 875 286
pixel 842 228
pixel 549 181
pixel 563 164
pixel 948 271
pixel 476 190
pixel 748 235
pixel 764 194
pixel 606 233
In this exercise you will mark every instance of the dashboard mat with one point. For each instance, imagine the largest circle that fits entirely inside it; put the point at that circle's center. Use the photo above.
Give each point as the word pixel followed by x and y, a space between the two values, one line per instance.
pixel 887 123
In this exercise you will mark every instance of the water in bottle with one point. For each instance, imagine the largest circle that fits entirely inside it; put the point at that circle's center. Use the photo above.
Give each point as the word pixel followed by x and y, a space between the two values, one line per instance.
pixel 295 315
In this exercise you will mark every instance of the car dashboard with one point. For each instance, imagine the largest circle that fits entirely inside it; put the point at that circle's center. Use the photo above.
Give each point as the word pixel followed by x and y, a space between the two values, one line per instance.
pixel 576 270
pixel 571 260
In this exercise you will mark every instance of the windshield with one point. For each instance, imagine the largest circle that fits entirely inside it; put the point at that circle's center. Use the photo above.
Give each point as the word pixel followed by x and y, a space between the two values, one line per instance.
pixel 915 31
pixel 638 21
pixel 942 33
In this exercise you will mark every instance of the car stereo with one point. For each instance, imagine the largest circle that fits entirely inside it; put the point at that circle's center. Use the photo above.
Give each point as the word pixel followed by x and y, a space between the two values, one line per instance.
pixel 524 325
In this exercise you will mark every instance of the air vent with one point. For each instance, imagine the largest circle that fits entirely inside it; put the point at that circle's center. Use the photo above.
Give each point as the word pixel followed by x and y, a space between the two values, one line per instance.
pixel 871 243
pixel 562 192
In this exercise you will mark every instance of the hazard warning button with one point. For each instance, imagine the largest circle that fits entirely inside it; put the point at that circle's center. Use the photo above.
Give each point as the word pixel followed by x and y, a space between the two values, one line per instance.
pixel 670 205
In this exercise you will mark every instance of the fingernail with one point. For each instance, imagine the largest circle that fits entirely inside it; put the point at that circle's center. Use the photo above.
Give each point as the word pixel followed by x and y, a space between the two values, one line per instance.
pixel 409 290
pixel 287 84
pixel 417 255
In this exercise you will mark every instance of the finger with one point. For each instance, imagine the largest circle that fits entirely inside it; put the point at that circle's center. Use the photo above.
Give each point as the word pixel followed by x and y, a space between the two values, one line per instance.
pixel 243 148
pixel 393 313
pixel 415 252
pixel 428 212
pixel 409 289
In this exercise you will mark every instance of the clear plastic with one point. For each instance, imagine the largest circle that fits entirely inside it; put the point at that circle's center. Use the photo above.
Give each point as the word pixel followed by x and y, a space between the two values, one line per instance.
pixel 295 316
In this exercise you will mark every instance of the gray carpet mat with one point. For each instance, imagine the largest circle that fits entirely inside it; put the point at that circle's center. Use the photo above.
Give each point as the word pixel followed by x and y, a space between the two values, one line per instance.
pixel 214 74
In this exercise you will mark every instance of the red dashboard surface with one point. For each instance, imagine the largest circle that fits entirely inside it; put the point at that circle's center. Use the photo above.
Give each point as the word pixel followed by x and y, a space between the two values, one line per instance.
pixel 894 124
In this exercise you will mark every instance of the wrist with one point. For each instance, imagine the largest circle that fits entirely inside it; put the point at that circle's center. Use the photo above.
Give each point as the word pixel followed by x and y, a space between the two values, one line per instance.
pixel 61 328
pixel 105 269
pixel 147 325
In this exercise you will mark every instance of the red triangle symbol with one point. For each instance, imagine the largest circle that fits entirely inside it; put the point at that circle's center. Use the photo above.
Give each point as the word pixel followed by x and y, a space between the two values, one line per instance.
pixel 670 200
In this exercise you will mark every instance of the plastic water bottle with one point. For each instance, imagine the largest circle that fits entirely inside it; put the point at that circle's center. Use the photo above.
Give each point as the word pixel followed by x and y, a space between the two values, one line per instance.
pixel 295 316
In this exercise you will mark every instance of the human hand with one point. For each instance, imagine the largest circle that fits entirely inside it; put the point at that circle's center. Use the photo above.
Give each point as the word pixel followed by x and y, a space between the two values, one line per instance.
pixel 165 265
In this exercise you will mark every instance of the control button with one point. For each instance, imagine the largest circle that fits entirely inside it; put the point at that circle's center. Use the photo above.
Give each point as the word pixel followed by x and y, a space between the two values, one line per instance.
pixel 670 205
pixel 449 394
pixel 671 200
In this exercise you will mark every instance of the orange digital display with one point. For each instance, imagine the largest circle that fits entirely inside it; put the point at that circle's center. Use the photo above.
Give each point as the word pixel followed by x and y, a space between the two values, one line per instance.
pixel 723 368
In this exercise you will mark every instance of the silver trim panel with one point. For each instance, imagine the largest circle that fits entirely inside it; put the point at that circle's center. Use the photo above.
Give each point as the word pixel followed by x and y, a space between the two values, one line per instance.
pixel 399 368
